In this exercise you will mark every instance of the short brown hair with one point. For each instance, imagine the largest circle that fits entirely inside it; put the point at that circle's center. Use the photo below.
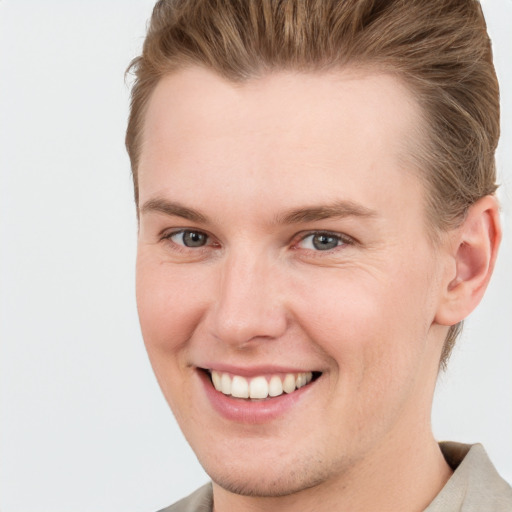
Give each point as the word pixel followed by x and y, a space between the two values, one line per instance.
pixel 439 48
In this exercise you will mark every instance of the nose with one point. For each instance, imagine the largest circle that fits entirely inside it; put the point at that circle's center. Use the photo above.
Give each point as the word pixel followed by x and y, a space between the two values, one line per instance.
pixel 248 303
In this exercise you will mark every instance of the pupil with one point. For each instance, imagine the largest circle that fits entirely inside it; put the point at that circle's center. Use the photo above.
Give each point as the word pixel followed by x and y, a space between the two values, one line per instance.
pixel 324 242
pixel 194 239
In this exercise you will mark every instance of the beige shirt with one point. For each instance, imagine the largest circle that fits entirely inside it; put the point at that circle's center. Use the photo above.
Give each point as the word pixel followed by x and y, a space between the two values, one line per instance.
pixel 475 486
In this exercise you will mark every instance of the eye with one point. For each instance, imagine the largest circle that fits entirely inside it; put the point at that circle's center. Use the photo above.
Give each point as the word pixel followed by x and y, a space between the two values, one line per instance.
pixel 189 238
pixel 321 241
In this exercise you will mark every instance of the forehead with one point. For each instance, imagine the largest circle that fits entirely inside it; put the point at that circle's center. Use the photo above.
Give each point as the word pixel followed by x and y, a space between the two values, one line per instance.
pixel 199 100
pixel 345 129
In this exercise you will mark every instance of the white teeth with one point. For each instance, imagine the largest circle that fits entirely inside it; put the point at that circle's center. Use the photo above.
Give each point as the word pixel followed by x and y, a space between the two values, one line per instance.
pixel 303 379
pixel 239 387
pixel 259 387
pixel 225 384
pixel 216 381
pixel 289 383
pixel 275 386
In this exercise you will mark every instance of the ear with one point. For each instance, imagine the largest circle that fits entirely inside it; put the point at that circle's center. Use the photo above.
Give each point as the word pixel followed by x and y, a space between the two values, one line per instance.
pixel 473 251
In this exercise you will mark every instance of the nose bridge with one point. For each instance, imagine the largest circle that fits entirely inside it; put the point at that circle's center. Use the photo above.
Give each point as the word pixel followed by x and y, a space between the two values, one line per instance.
pixel 248 305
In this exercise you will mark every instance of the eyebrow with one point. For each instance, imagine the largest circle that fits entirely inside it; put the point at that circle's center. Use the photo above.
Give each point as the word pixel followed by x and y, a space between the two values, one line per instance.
pixel 335 210
pixel 172 208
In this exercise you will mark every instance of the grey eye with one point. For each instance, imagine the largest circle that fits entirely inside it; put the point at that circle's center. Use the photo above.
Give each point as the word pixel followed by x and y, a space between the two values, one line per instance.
pixel 190 238
pixel 325 242
pixel 320 242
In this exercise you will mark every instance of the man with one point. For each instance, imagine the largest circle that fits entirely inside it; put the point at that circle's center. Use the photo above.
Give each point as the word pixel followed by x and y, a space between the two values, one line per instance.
pixel 314 183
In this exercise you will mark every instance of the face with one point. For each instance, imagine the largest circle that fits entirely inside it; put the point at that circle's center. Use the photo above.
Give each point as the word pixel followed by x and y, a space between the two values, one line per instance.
pixel 286 283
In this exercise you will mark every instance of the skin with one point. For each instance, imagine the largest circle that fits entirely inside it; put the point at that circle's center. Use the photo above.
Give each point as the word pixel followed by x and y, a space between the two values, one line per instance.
pixel 370 314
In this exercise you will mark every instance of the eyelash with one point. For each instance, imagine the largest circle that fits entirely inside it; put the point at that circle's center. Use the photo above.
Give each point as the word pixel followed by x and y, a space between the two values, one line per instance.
pixel 342 240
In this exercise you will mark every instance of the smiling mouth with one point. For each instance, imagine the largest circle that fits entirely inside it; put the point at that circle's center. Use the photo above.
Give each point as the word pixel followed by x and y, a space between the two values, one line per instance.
pixel 260 387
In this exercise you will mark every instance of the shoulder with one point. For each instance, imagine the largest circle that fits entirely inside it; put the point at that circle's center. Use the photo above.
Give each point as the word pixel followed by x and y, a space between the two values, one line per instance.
pixel 475 484
pixel 199 501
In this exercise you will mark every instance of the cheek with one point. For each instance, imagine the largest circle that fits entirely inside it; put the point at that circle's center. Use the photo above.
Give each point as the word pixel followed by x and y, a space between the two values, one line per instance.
pixel 369 322
pixel 170 303
pixel 170 307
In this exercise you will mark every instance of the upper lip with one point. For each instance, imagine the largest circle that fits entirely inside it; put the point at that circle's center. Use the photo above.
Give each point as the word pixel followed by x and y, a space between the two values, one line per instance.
pixel 253 371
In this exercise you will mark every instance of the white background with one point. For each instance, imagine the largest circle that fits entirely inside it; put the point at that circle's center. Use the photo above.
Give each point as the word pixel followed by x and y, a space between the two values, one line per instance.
pixel 83 425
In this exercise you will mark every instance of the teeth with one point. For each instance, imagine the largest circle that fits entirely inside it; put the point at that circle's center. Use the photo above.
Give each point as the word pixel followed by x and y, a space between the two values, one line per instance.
pixel 225 384
pixel 239 387
pixel 217 381
pixel 275 386
pixel 289 383
pixel 259 387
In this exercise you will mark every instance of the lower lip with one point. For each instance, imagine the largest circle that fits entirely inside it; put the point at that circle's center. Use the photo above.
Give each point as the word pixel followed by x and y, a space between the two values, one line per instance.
pixel 251 411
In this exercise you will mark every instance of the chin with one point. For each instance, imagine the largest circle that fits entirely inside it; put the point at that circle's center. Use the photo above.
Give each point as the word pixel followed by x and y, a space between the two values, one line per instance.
pixel 268 483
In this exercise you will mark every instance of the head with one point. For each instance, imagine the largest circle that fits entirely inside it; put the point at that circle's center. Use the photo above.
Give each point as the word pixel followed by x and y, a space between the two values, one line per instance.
pixel 439 50
pixel 314 184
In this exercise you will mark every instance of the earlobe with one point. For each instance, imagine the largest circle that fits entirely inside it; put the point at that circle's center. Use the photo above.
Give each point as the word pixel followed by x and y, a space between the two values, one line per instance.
pixel 475 249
